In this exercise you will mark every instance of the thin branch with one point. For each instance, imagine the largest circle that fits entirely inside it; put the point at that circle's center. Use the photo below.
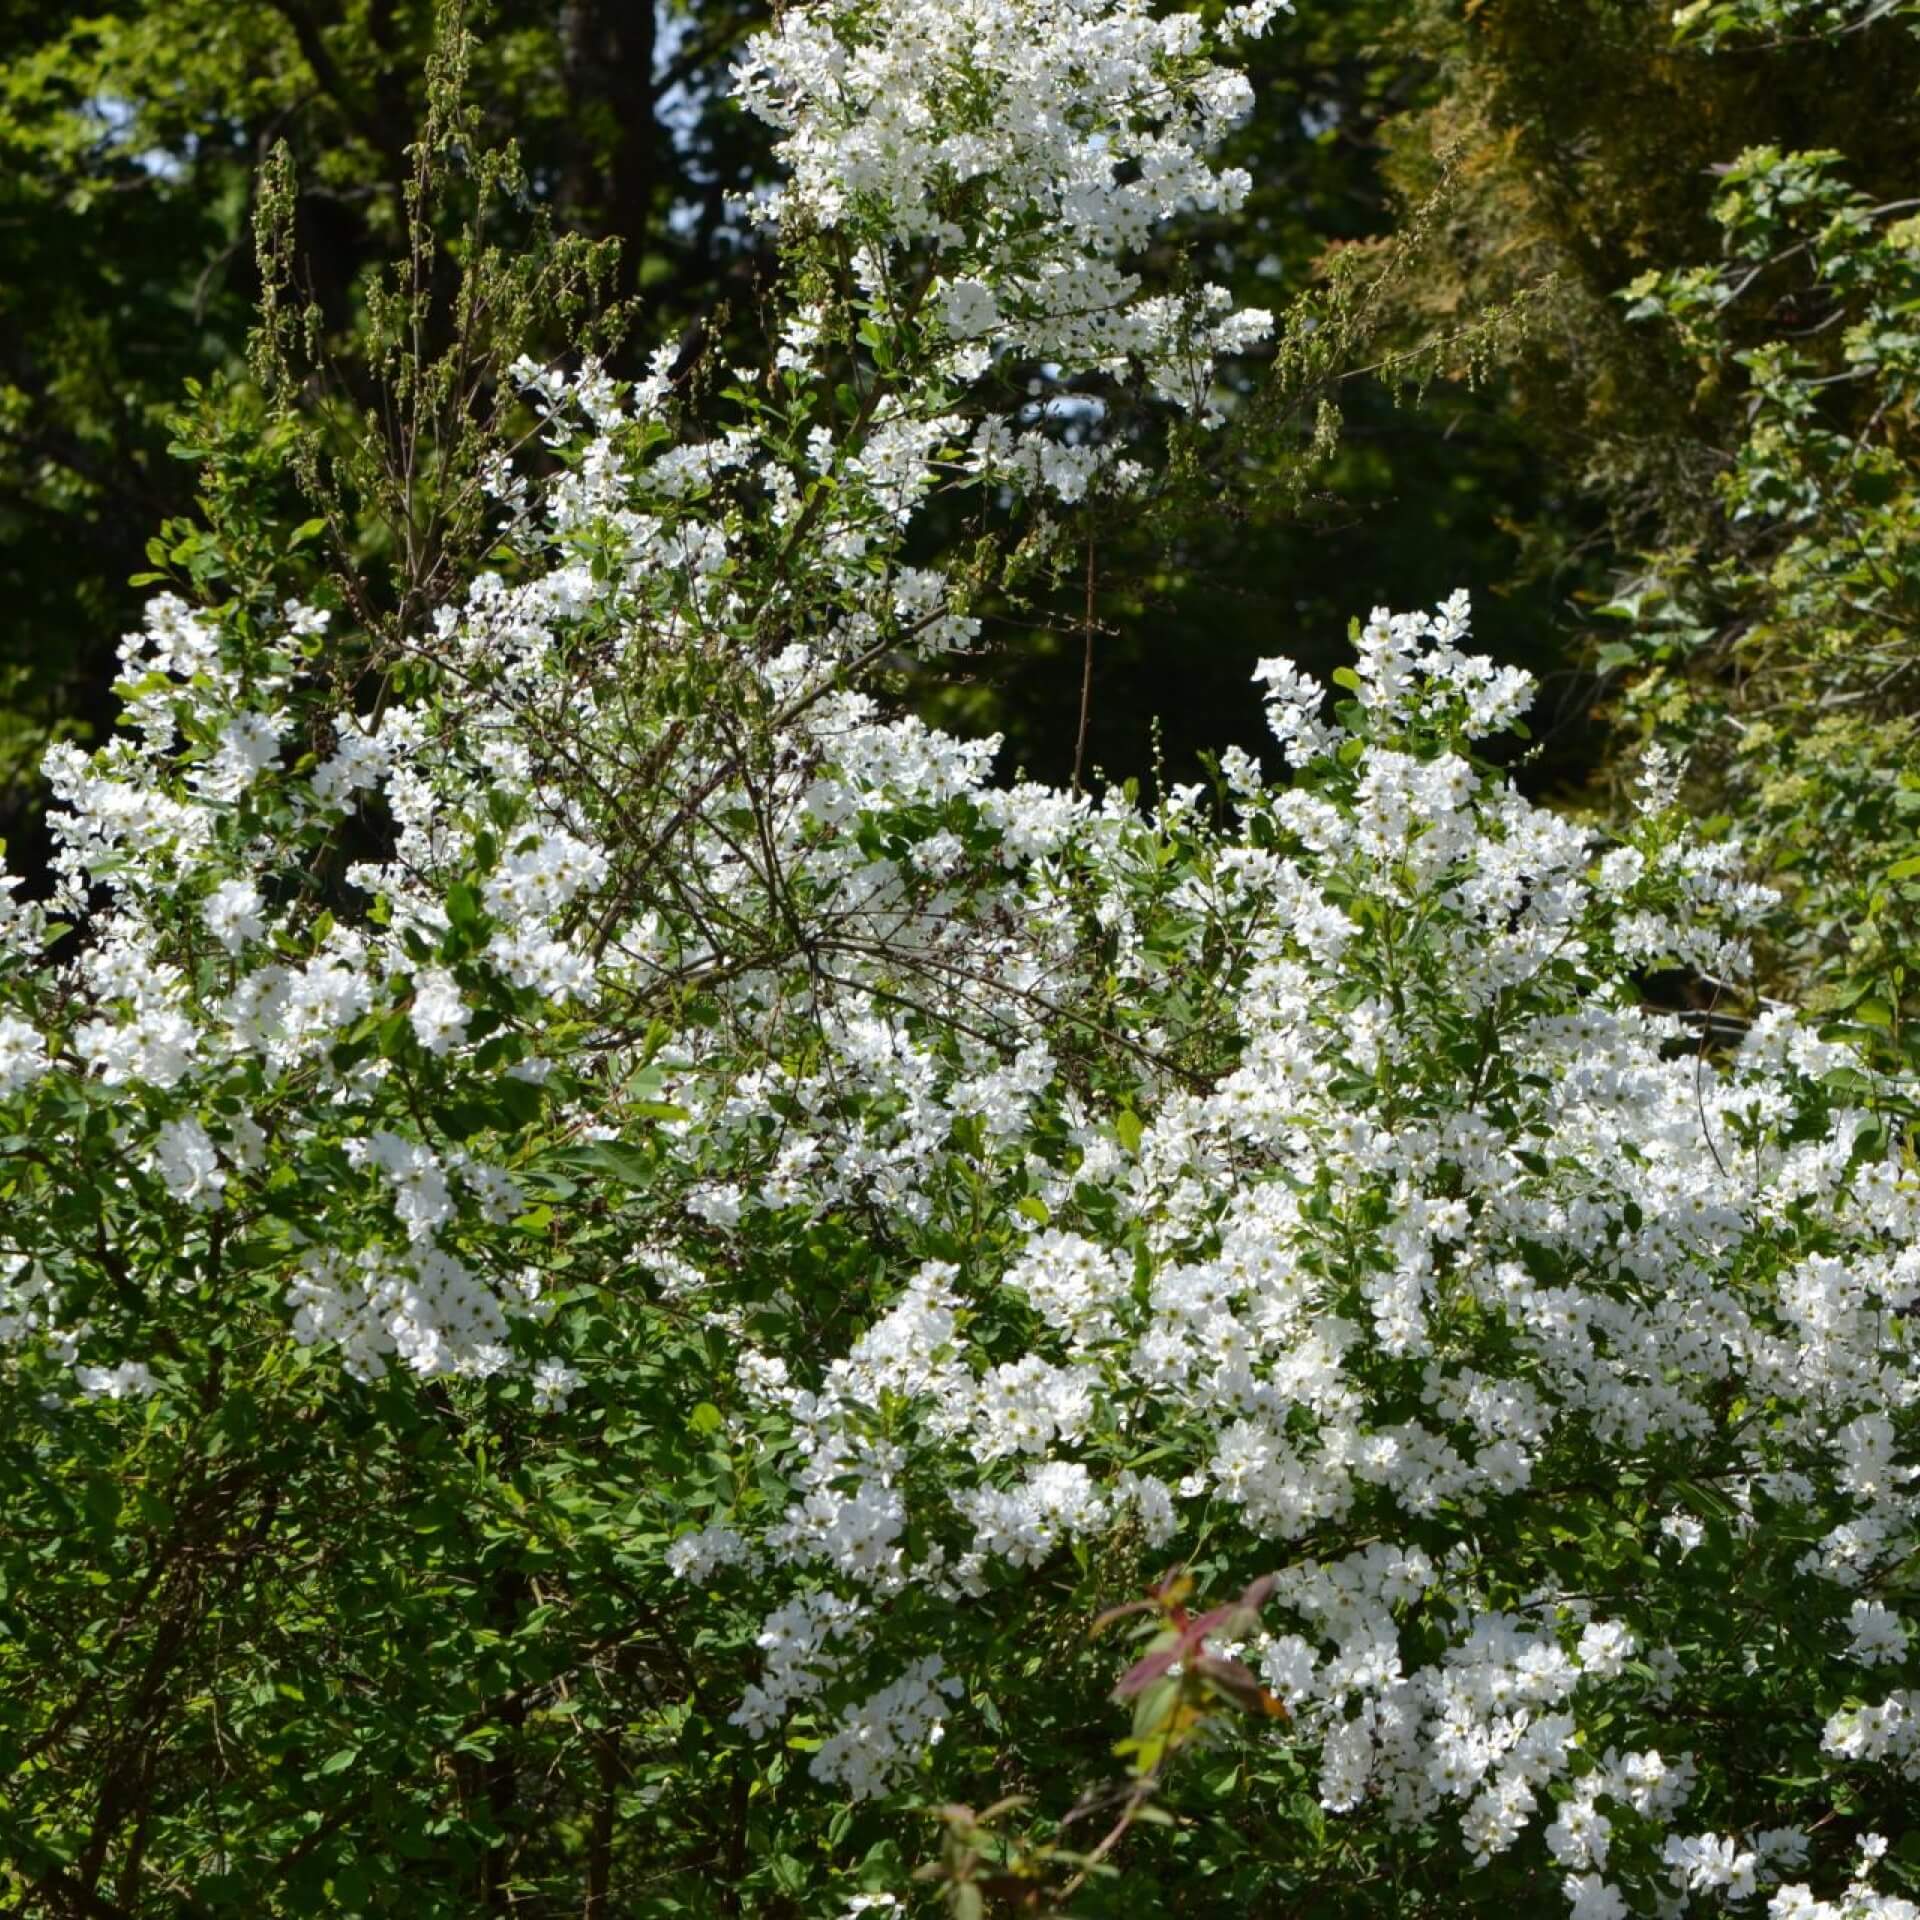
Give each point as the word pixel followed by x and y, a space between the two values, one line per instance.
pixel 1086 676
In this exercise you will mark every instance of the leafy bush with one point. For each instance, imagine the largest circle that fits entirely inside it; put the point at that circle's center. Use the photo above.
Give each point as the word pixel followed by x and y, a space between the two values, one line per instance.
pixel 1779 647
pixel 614 1254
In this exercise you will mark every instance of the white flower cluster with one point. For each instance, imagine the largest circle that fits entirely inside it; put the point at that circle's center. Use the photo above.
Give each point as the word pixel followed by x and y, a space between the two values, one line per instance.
pixel 1026 145
pixel 998 162
pixel 887 1731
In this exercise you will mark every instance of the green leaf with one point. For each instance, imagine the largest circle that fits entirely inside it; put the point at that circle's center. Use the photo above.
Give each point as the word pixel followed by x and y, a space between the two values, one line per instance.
pixel 611 1159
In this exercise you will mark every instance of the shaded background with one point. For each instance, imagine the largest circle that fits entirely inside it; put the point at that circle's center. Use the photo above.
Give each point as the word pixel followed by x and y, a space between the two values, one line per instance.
pixel 1487 173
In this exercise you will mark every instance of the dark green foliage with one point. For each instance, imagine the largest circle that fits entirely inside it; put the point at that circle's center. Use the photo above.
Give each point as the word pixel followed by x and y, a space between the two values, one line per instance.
pixel 131 143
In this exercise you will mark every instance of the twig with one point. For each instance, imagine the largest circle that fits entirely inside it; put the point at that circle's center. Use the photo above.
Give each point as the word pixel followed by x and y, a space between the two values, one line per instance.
pixel 1086 676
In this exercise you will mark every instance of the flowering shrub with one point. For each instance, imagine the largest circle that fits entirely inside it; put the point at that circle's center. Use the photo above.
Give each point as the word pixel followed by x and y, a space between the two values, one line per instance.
pixel 829 1224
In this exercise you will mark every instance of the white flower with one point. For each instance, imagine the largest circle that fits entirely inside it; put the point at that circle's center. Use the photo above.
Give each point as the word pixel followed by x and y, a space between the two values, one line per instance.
pixel 1879 1634
pixel 553 1383
pixel 23 1055
pixel 1590 1898
pixel 694 1557
pixel 131 1379
pixel 1684 1531
pixel 439 1014
pixel 233 915
pixel 969 308
pixel 185 1158
pixel 1605 1648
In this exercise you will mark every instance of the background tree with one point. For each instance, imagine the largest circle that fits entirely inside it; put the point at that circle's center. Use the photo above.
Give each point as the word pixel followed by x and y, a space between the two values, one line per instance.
pixel 1709 213
pixel 134 138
